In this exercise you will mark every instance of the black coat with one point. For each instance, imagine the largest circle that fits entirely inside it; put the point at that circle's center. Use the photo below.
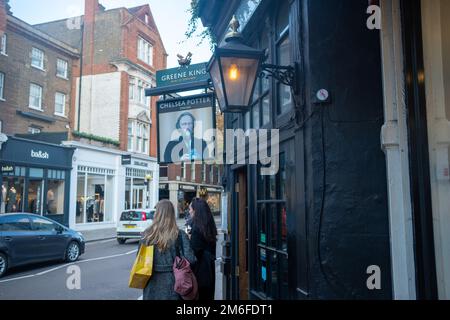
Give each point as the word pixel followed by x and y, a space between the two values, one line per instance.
pixel 204 268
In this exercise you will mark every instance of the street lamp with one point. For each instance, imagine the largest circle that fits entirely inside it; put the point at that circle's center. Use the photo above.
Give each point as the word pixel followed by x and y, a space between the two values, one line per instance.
pixel 147 181
pixel 234 68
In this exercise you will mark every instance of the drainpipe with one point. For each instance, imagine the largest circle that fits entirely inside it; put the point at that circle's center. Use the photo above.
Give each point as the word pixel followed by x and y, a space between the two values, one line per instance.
pixel 81 76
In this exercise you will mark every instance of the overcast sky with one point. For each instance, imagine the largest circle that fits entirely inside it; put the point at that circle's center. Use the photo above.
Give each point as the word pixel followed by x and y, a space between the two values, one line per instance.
pixel 171 18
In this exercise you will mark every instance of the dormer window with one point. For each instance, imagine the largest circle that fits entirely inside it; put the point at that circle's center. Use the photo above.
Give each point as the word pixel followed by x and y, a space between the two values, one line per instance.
pixel 146 19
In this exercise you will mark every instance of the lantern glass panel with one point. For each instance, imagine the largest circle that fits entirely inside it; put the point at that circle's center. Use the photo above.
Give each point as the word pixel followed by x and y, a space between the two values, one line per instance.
pixel 239 77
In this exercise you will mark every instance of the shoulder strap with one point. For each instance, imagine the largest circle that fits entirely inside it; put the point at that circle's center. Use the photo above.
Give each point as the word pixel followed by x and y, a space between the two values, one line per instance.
pixel 179 244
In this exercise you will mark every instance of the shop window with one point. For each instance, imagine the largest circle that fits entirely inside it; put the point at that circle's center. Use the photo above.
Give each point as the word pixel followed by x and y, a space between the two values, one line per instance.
pixel 136 189
pixel 55 192
pixel 94 195
pixel 13 189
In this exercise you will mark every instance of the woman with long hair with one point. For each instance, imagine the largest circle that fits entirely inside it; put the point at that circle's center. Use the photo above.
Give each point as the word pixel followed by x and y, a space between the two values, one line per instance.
pixel 163 234
pixel 203 242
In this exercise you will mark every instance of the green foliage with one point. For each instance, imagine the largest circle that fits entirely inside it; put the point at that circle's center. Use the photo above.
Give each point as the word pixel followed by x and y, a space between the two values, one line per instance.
pixel 95 138
pixel 193 27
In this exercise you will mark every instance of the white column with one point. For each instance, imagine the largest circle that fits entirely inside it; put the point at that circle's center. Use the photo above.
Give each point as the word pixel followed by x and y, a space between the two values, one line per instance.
pixel 394 141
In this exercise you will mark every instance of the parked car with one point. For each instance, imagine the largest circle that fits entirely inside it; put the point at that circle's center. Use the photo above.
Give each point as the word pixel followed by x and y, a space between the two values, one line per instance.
pixel 133 223
pixel 28 238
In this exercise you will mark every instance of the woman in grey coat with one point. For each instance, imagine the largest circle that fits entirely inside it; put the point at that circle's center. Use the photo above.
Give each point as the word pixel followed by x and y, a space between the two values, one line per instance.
pixel 163 234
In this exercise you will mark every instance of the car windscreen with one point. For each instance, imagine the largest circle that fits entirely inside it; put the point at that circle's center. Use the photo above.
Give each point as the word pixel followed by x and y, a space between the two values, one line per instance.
pixel 131 216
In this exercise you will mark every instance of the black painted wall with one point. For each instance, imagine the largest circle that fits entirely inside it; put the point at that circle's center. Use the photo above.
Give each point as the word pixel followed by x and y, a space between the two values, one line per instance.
pixel 348 221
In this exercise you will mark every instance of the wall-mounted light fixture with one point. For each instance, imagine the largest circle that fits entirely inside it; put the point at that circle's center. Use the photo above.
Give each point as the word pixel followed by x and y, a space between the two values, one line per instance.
pixel 234 68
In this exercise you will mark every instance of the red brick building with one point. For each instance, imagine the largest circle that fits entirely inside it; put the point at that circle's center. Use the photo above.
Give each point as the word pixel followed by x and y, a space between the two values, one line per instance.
pixel 35 78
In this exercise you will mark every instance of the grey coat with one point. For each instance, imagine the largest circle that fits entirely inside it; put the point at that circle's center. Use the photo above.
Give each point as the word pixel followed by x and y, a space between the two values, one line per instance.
pixel 162 281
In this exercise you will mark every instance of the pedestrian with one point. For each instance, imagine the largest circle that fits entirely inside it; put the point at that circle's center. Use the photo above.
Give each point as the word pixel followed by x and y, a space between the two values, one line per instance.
pixel 203 242
pixel 163 234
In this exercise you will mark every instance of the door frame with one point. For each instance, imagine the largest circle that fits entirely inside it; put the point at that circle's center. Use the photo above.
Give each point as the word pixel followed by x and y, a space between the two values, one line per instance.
pixel 426 281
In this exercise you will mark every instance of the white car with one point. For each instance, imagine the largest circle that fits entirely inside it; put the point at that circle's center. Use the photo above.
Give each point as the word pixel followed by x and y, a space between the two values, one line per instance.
pixel 133 223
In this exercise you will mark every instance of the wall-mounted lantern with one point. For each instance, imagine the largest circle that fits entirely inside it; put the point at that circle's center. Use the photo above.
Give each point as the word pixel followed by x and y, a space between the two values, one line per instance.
pixel 234 68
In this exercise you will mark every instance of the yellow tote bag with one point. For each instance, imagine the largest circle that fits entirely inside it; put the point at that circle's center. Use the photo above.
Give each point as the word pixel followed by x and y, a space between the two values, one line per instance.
pixel 142 268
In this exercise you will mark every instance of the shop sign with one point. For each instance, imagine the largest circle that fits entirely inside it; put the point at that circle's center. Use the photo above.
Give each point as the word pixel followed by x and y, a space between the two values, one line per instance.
pixel 141 164
pixel 190 188
pixel 7 169
pixel 39 154
pixel 126 159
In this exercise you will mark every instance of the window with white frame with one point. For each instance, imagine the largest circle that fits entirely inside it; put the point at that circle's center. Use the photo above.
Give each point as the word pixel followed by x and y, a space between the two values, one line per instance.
pixel 146 19
pixel 37 58
pixel 33 130
pixel 138 137
pixel 211 174
pixel 192 171
pixel 35 101
pixel 62 68
pixel 3 44
pixel 145 51
pixel 2 85
pixel 130 136
pixel 132 88
pixel 183 170
pixel 60 104
pixel 204 172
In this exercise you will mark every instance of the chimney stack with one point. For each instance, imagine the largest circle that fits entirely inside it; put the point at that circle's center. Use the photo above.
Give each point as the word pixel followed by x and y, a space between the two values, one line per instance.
pixel 3 13
pixel 91 7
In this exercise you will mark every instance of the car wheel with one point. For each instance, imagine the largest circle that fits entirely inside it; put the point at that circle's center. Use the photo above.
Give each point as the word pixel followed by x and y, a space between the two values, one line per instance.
pixel 121 240
pixel 3 264
pixel 72 252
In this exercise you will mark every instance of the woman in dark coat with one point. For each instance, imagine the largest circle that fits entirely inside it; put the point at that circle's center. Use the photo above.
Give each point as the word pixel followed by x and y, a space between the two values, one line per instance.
pixel 203 242
pixel 163 234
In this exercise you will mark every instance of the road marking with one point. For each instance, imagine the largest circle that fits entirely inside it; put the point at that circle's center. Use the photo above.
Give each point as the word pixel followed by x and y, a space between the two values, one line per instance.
pixel 101 242
pixel 68 264
pixel 18 278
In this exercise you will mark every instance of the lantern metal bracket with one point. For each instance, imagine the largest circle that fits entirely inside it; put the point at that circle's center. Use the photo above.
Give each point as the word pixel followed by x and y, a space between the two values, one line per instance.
pixel 287 75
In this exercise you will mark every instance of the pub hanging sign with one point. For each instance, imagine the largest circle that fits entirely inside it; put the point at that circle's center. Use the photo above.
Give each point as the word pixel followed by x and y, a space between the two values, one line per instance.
pixel 183 78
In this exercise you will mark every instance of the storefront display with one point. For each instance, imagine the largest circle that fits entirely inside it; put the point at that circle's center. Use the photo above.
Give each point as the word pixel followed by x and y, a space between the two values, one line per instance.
pixel 34 178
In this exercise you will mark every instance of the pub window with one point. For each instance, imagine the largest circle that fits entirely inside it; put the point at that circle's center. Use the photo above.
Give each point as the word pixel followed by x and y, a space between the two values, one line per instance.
pixel 260 109
pixel 283 56
pixel 272 257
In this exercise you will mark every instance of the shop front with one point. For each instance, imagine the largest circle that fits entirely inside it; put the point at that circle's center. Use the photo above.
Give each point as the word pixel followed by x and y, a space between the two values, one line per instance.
pixel 105 183
pixel 141 184
pixel 35 178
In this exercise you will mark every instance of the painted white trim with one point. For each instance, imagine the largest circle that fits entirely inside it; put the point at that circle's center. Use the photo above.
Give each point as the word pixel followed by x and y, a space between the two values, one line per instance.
pixel 438 134
pixel 394 141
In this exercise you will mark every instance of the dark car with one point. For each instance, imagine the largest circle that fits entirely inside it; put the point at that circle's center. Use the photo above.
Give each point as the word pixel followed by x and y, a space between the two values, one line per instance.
pixel 28 238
